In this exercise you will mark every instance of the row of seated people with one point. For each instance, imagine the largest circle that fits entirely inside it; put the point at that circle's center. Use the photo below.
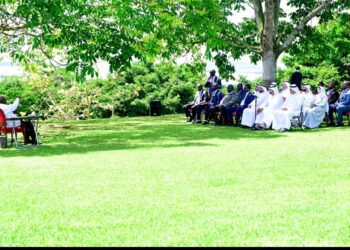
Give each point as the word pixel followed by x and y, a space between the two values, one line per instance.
pixel 268 107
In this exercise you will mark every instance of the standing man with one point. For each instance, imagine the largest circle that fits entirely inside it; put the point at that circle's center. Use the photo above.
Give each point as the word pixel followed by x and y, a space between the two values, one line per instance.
pixel 213 79
pixel 297 78
pixel 343 105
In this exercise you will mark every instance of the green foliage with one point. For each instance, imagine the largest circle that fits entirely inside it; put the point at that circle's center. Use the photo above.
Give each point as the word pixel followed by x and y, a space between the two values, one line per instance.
pixel 311 75
pixel 117 31
pixel 127 93
pixel 329 45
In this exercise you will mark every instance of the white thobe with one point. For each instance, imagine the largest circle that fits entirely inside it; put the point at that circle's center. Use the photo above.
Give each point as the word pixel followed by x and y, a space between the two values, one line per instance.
pixel 265 117
pixel 314 116
pixel 248 117
pixel 282 118
pixel 309 100
pixel 9 113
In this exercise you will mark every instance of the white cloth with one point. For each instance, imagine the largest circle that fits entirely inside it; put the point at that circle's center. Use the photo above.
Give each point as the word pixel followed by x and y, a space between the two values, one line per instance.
pixel 282 118
pixel 198 97
pixel 315 115
pixel 248 117
pixel 286 92
pixel 309 100
pixel 9 113
pixel 274 103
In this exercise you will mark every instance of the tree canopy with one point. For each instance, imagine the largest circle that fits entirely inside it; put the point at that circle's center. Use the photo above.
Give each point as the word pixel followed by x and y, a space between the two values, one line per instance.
pixel 332 47
pixel 117 31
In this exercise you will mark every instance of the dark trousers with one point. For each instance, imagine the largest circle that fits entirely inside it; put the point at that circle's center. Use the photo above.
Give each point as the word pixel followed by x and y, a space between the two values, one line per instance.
pixel 190 111
pixel 200 109
pixel 230 109
pixel 332 109
pixel 30 132
pixel 214 110
pixel 341 109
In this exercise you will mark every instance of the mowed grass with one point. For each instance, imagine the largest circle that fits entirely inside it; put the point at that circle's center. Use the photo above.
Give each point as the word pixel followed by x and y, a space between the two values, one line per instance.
pixel 159 181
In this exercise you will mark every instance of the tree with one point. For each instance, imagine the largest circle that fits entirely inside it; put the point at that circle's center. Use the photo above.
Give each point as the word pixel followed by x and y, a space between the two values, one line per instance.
pixel 331 49
pixel 72 33
pixel 189 24
pixel 119 31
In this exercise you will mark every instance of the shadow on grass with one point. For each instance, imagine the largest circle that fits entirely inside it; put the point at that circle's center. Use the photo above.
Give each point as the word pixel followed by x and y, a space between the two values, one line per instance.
pixel 79 137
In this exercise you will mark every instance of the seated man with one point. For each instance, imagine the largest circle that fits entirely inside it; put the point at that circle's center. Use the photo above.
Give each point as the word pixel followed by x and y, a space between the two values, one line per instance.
pixel 215 99
pixel 228 100
pixel 264 115
pixel 343 104
pixel 245 99
pixel 309 97
pixel 191 108
pixel 249 114
pixel 333 96
pixel 29 134
pixel 291 107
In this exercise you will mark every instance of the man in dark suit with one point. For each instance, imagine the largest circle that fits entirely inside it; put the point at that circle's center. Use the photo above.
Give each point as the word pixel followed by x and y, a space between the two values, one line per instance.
pixel 333 96
pixel 296 78
pixel 213 79
pixel 215 99
pixel 245 99
pixel 343 104
pixel 229 99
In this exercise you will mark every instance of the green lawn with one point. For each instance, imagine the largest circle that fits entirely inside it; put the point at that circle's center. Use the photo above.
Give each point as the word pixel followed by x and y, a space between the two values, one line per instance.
pixel 163 182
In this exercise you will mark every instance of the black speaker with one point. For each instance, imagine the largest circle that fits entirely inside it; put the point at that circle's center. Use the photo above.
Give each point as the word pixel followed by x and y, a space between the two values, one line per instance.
pixel 155 108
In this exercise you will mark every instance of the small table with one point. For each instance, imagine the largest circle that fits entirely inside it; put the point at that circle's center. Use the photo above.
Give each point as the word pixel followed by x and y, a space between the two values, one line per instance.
pixel 34 119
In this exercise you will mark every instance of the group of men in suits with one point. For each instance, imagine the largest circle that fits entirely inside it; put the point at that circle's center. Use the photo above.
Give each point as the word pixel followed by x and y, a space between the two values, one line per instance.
pixel 215 105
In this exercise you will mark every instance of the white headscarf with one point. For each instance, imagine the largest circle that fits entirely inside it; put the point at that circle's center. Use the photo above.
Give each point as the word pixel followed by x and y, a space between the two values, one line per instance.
pixel 295 88
pixel 274 88
pixel 323 91
pixel 307 86
pixel 286 92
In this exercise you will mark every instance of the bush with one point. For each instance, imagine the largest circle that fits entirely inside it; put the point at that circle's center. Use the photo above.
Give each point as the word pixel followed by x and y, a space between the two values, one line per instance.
pixel 55 93
pixel 311 75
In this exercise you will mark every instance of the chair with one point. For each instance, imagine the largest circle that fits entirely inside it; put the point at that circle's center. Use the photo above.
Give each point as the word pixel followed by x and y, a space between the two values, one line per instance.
pixel 300 116
pixel 347 114
pixel 237 118
pixel 13 131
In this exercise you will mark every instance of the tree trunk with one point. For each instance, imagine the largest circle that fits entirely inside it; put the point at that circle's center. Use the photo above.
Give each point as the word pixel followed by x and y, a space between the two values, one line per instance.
pixel 269 67
pixel 269 55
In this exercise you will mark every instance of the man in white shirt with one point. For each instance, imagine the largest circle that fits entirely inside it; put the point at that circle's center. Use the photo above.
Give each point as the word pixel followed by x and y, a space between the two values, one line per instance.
pixel 191 108
pixel 9 109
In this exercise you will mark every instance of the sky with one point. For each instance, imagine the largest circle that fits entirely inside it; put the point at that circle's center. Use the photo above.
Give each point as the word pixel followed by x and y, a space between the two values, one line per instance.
pixel 243 66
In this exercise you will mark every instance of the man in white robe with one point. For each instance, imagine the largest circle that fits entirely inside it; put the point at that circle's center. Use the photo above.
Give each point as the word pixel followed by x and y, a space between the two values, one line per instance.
pixel 291 107
pixel 29 135
pixel 9 110
pixel 248 118
pixel 265 115
pixel 285 90
pixel 309 97
pixel 315 115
